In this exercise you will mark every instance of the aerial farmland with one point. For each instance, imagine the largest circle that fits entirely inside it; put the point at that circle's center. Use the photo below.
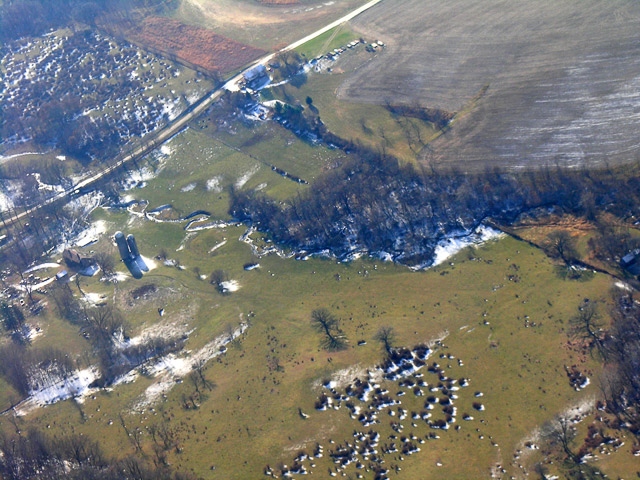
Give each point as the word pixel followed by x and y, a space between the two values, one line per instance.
pixel 535 83
pixel 390 239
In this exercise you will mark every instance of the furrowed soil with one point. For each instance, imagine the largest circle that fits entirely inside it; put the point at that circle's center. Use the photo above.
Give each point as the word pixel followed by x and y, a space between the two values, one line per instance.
pixel 561 79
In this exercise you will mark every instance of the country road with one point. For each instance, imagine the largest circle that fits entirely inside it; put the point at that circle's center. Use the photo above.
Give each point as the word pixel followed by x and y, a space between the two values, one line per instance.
pixel 172 128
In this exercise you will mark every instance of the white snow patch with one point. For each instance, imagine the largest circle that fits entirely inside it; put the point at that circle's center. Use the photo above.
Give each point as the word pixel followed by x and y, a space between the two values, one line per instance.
pixel 166 149
pixel 230 286
pixel 214 184
pixel 41 267
pixel 139 178
pixel 94 298
pixel 450 246
pixel 188 188
pixel 34 287
pixel 171 368
pixel 217 246
pixel 246 177
pixel 74 386
pixel 623 286
pixel 151 264
pixel 88 236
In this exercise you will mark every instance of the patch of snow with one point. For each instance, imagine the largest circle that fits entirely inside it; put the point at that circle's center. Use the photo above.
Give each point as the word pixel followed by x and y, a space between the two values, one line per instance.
pixel 214 184
pixel 188 188
pixel 115 278
pixel 623 286
pixel 37 286
pixel 139 178
pixel 88 236
pixel 151 264
pixel 230 286
pixel 94 298
pixel 166 149
pixel 42 266
pixel 73 386
pixel 450 246
pixel 217 246
pixel 246 177
pixel 171 368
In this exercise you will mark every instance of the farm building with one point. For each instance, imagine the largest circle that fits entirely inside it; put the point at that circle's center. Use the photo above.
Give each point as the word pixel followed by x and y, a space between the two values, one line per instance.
pixel 256 77
pixel 630 262
pixel 123 246
pixel 74 259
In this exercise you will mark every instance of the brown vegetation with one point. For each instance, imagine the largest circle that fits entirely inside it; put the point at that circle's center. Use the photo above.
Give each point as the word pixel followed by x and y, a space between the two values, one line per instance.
pixel 195 45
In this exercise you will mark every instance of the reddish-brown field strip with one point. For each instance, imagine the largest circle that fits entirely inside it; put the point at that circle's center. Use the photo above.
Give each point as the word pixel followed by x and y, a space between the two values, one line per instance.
pixel 195 45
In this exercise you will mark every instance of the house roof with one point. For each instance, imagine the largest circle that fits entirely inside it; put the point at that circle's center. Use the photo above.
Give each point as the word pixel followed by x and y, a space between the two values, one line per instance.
pixel 73 256
pixel 256 72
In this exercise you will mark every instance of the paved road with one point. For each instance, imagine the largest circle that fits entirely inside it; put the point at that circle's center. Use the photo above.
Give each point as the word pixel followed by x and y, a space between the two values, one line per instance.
pixel 181 121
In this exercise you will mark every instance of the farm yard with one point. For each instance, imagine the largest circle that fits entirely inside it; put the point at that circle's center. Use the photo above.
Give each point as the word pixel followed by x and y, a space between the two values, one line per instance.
pixel 87 94
pixel 561 80
pixel 379 126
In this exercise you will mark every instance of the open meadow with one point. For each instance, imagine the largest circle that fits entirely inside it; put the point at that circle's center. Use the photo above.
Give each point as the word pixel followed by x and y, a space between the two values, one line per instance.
pixel 495 319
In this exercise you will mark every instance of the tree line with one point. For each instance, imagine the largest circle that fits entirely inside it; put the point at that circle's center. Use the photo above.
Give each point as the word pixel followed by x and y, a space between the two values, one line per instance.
pixel 376 204
pixel 36 455
pixel 24 18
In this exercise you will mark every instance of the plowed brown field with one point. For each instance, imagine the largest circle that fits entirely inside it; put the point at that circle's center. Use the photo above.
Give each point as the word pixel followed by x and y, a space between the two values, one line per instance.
pixel 563 77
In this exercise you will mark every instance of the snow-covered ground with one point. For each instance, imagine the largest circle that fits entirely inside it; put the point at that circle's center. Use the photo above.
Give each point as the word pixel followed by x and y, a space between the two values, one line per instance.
pixel 85 237
pixel 449 247
pixel 75 386
pixel 215 184
pixel 170 369
pixel 245 177
pixel 41 267
pixel 230 286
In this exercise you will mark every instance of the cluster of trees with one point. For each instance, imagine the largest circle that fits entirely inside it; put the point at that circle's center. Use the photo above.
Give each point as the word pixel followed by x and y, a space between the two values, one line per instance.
pixel 35 455
pixel 439 118
pixel 620 349
pixel 287 65
pixel 26 369
pixel 13 320
pixel 23 18
pixel 50 108
pixel 374 203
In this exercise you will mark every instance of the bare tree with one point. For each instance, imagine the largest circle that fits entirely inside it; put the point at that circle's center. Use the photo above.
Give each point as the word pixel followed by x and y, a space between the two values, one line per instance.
pixel 560 432
pixel 587 326
pixel 325 322
pixel 106 263
pixel 560 244
pixel 386 337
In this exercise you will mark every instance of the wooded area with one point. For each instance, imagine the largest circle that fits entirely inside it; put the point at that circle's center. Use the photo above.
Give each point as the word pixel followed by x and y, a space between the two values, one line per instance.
pixel 22 18
pixel 375 204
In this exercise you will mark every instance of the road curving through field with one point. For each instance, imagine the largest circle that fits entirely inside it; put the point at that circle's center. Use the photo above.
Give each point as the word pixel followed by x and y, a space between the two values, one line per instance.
pixel 180 122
